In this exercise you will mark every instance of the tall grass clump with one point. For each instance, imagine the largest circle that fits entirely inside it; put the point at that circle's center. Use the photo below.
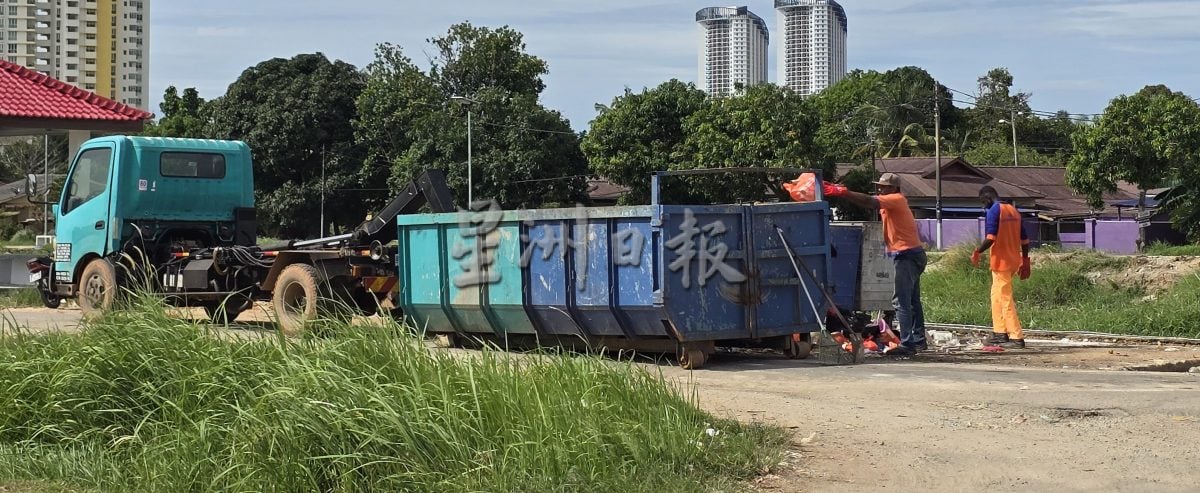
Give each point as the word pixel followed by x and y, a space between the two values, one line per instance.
pixel 1165 250
pixel 140 401
pixel 20 298
pixel 1060 296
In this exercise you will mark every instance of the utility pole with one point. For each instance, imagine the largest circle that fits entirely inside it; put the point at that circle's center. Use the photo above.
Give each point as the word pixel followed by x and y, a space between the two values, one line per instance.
pixel 469 103
pixel 1014 128
pixel 1013 121
pixel 937 152
pixel 46 179
pixel 470 170
pixel 322 192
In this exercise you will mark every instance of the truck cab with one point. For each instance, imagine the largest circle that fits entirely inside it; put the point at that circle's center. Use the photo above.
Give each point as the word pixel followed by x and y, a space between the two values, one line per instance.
pixel 148 197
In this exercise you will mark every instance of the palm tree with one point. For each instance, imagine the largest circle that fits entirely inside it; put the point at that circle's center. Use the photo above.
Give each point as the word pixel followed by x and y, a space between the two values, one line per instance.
pixel 900 120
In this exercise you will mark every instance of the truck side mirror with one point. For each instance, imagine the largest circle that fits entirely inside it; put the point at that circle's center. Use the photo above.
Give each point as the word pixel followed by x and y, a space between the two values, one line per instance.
pixel 31 186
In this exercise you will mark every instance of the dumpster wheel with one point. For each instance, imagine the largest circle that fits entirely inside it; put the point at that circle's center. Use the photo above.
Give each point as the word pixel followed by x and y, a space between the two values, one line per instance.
pixel 691 358
pixel 798 346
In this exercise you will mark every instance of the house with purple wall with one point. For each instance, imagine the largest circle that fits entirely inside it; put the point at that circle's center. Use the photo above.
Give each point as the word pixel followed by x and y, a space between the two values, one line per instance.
pixel 1054 214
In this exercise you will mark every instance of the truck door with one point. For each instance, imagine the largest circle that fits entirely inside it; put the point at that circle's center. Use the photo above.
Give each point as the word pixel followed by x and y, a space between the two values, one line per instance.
pixel 82 225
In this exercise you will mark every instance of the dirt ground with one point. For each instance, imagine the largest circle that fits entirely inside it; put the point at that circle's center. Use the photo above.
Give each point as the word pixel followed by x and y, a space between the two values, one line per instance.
pixel 1049 418
pixel 1058 416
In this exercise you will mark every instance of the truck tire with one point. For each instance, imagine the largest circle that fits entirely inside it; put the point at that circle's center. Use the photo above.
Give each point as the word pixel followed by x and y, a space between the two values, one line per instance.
pixel 49 299
pixel 296 297
pixel 97 287
pixel 224 312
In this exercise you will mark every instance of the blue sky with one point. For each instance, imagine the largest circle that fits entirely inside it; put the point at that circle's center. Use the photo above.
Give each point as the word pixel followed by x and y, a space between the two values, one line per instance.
pixel 1070 54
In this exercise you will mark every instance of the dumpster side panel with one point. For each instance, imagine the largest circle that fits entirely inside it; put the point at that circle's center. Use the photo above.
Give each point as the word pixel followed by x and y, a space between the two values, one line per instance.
pixel 422 283
pixel 847 259
pixel 594 298
pixel 505 308
pixel 464 281
pixel 547 279
pixel 635 283
pixel 705 284
pixel 784 308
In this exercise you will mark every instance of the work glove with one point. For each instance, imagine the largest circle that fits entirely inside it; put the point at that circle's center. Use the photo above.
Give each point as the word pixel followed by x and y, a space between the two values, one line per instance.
pixel 976 257
pixel 834 190
pixel 1025 269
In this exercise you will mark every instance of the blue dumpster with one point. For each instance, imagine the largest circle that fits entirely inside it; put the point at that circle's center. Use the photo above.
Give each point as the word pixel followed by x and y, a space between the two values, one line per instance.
pixel 658 277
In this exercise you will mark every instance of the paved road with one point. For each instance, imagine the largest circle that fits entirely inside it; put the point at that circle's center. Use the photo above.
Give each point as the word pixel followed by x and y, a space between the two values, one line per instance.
pixel 949 426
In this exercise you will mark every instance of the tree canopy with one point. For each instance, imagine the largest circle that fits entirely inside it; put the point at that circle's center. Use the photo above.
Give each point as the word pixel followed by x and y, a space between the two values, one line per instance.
pixel 1150 139
pixel 639 133
pixel 184 116
pixel 296 116
pixel 523 154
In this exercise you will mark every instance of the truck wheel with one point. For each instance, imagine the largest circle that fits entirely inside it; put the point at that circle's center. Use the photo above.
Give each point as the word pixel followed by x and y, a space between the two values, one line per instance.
pixel 295 298
pixel 97 287
pixel 49 299
pixel 225 312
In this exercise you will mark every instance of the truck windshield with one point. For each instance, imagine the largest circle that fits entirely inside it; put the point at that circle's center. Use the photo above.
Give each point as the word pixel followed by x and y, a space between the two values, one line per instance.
pixel 89 179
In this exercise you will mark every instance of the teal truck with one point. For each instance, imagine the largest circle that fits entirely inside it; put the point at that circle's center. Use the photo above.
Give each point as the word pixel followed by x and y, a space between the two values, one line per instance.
pixel 176 217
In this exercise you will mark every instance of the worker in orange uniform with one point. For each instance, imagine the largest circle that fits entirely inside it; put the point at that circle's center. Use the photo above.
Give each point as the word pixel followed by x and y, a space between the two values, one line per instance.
pixel 1010 255
pixel 904 245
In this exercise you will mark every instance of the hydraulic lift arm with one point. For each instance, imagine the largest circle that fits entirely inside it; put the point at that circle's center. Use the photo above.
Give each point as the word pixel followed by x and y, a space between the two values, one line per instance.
pixel 430 188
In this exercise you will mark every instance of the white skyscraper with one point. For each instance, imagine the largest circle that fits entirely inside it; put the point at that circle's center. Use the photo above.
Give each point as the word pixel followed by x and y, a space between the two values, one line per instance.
pixel 99 45
pixel 733 49
pixel 812 51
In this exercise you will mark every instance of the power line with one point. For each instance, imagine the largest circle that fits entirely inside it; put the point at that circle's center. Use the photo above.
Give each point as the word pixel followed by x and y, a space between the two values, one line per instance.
pixel 528 129
pixel 557 178
pixel 1043 113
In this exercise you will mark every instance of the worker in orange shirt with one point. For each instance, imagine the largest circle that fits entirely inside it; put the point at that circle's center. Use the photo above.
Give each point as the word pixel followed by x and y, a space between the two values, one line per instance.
pixel 1010 255
pixel 904 246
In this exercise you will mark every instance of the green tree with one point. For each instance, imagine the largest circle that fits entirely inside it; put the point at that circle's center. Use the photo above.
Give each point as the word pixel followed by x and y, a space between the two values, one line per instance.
pixel 996 102
pixel 767 126
pixel 1150 139
pixel 524 155
pixel 183 116
pixel 842 135
pixel 1001 154
pixel 296 116
pixel 899 116
pixel 1049 136
pixel 470 59
pixel 21 156
pixel 640 133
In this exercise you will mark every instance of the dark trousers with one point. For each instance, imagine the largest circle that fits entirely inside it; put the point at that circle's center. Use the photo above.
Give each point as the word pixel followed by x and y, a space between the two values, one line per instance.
pixel 907 300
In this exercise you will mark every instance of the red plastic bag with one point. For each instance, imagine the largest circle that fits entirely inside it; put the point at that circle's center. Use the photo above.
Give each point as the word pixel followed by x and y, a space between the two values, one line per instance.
pixel 802 189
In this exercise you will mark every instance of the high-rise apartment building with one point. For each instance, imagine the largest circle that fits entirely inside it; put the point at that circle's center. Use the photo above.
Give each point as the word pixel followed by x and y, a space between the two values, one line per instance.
pixel 812 45
pixel 733 49
pixel 100 45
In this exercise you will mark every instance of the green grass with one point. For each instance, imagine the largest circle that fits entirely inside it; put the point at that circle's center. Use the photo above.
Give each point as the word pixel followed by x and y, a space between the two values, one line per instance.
pixel 140 401
pixel 1165 250
pixel 20 298
pixel 1059 296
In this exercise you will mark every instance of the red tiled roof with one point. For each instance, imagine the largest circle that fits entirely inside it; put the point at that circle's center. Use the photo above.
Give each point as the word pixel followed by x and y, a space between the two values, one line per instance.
pixel 26 93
